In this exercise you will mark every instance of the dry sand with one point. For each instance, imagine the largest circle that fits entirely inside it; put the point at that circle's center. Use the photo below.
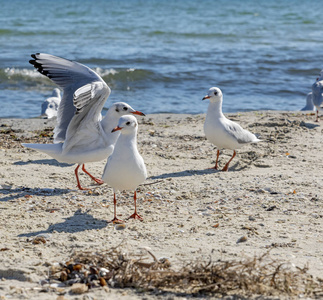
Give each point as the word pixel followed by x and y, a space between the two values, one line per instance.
pixel 272 195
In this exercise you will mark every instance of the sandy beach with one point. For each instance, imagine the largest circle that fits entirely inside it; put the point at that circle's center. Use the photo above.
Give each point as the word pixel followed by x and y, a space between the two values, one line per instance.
pixel 272 197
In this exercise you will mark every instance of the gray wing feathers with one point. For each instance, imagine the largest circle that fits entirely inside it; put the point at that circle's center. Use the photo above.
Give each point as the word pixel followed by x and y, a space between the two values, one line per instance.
pixel 91 96
pixel 82 97
pixel 241 135
pixel 70 76
pixel 65 113
pixel 88 100
pixel 62 71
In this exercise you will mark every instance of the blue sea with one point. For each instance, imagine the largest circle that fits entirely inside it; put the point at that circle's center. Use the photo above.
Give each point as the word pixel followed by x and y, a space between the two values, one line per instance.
pixel 163 56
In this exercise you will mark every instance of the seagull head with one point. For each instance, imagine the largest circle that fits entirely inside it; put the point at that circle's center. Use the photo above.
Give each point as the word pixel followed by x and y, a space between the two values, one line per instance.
pixel 121 108
pixel 127 124
pixel 49 107
pixel 214 95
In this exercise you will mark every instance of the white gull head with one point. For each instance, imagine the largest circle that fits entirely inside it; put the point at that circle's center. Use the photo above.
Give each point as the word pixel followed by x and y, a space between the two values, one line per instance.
pixel 214 95
pixel 49 107
pixel 128 124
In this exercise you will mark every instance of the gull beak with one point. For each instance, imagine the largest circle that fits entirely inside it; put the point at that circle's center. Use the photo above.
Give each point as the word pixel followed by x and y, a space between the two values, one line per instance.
pixel 206 97
pixel 139 113
pixel 116 129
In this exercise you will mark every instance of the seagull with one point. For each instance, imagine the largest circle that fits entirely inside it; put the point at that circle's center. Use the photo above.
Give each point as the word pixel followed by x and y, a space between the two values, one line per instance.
pixel 309 98
pixel 125 168
pixel 320 76
pixel 222 132
pixel 309 103
pixel 81 135
pixel 317 90
pixel 50 105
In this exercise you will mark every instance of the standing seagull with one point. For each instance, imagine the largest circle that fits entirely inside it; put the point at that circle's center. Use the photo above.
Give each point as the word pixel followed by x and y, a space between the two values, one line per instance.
pixel 222 132
pixel 81 134
pixel 125 168
pixel 50 106
pixel 317 96
pixel 309 103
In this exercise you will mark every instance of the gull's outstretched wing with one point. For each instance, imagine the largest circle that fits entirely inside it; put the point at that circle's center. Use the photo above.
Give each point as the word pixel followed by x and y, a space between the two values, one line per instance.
pixel 84 92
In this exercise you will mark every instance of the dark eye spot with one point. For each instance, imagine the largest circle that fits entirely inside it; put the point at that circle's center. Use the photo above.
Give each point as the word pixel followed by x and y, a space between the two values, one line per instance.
pixel 215 93
pixel 125 108
pixel 117 110
pixel 128 123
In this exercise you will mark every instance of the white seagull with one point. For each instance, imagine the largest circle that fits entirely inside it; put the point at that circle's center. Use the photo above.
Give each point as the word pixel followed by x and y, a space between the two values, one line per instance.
pixel 222 132
pixel 309 98
pixel 125 168
pixel 317 97
pixel 309 103
pixel 49 107
pixel 81 134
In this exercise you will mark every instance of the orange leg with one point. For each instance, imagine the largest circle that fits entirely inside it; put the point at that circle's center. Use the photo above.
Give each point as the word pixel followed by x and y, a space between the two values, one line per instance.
pixel 77 178
pixel 227 165
pixel 135 215
pixel 97 180
pixel 217 159
pixel 317 115
pixel 115 219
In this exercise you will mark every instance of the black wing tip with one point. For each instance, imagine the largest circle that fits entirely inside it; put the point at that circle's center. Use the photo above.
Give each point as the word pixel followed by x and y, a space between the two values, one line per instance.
pixel 39 68
pixel 35 55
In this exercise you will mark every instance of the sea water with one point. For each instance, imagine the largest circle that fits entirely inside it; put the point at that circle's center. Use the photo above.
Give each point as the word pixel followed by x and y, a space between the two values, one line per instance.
pixel 163 56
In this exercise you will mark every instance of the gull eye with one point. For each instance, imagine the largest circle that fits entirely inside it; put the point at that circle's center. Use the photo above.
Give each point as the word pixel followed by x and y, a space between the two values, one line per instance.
pixel 125 108
pixel 117 110
pixel 128 123
pixel 215 93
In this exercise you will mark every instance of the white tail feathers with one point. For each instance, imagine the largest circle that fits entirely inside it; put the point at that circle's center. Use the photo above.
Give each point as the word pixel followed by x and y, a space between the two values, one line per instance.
pixel 53 150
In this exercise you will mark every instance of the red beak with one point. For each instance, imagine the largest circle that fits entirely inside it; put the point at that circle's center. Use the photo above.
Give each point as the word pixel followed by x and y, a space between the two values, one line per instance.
pixel 139 113
pixel 206 97
pixel 116 129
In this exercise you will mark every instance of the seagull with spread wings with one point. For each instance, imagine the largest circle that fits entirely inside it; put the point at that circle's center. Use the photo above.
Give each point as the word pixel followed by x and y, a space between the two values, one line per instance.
pixel 81 134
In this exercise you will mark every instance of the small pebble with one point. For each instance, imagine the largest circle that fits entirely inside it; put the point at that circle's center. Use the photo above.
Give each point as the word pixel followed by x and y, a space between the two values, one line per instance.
pixel 242 239
pixel 210 233
pixel 270 208
pixel 102 281
pixel 79 288
pixel 103 272
pixel 38 240
pixel 120 226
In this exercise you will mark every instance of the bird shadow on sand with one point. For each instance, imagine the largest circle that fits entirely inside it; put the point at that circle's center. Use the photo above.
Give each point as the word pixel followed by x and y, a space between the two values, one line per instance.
pixel 310 125
pixel 23 192
pixel 51 162
pixel 234 168
pixel 79 222
pixel 185 173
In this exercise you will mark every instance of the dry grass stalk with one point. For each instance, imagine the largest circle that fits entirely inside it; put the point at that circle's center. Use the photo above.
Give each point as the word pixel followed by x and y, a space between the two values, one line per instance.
pixel 256 276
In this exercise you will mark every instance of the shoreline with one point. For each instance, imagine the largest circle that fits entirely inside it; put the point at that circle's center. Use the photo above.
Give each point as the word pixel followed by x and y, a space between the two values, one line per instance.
pixel 272 195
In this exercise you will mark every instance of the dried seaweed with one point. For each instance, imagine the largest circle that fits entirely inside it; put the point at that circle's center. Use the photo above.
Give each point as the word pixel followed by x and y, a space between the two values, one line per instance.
pixel 251 276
